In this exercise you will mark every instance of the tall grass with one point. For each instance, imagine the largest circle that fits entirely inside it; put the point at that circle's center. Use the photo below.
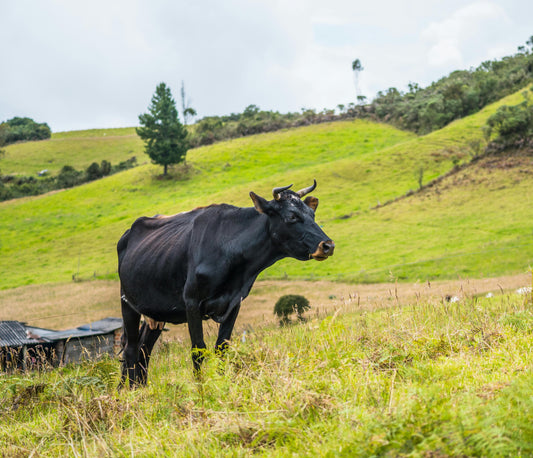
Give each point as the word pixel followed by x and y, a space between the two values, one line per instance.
pixel 426 379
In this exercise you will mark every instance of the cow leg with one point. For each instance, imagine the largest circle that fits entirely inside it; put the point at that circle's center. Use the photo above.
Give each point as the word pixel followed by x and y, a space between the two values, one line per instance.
pixel 130 341
pixel 225 330
pixel 147 340
pixel 196 331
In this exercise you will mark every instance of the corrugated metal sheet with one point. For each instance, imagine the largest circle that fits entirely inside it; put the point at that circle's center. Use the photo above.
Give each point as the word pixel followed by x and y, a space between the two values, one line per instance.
pixel 96 328
pixel 16 334
pixel 13 334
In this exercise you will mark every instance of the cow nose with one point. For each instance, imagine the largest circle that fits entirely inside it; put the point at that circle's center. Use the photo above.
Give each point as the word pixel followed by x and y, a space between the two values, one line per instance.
pixel 324 250
pixel 328 247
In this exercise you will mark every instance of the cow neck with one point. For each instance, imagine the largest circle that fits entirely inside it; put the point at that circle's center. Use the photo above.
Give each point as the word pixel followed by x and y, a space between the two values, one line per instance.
pixel 261 251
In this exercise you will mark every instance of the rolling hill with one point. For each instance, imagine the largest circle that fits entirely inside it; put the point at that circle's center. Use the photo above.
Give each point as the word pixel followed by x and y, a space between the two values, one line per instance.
pixel 475 222
pixel 77 149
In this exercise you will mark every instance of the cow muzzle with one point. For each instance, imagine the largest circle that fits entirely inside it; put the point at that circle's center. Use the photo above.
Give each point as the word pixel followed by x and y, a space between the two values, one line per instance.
pixel 324 251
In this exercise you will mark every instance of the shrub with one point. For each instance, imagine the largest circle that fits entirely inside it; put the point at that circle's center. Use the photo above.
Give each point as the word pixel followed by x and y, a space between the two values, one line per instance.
pixel 5 193
pixel 513 126
pixel 124 165
pixel 69 177
pixel 105 168
pixel 510 122
pixel 459 94
pixel 94 172
pixel 289 304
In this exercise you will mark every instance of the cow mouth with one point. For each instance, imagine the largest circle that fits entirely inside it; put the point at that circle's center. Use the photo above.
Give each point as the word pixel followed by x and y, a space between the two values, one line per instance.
pixel 324 251
pixel 317 257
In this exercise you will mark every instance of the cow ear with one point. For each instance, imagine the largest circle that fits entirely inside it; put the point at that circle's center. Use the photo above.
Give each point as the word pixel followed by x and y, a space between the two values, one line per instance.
pixel 311 202
pixel 260 204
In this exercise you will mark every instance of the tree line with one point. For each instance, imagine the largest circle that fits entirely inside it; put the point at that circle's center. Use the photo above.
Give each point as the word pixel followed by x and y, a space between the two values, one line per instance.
pixel 23 129
pixel 461 93
pixel 253 121
pixel 421 110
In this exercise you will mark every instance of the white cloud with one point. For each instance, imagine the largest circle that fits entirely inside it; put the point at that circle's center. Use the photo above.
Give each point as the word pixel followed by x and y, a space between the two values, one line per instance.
pixel 445 52
pixel 467 27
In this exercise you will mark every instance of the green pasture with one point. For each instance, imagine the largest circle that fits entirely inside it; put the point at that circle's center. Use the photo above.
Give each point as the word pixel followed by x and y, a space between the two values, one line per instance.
pixel 77 149
pixel 54 234
pixel 474 223
pixel 427 379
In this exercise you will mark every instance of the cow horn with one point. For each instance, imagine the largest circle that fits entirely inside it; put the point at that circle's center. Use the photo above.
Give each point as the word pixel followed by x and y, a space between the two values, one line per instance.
pixel 276 191
pixel 303 192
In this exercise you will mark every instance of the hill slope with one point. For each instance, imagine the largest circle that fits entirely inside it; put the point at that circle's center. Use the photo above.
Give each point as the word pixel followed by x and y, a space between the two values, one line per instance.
pixel 77 149
pixel 55 233
pixel 468 227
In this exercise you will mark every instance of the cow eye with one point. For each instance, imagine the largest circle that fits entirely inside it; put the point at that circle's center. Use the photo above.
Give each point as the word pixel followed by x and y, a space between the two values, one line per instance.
pixel 293 218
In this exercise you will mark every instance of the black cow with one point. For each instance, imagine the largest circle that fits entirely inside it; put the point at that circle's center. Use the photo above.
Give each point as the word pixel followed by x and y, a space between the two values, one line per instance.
pixel 201 264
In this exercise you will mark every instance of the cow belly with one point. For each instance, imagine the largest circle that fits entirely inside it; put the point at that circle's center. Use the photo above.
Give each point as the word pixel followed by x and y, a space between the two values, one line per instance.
pixel 165 314
pixel 158 307
pixel 154 317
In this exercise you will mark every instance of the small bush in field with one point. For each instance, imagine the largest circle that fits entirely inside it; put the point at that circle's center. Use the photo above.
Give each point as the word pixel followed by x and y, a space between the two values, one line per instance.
pixel 289 304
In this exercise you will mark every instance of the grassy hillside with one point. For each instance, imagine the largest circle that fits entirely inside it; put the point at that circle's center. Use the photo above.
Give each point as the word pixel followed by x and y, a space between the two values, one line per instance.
pixel 476 223
pixel 54 234
pixel 77 149
pixel 431 379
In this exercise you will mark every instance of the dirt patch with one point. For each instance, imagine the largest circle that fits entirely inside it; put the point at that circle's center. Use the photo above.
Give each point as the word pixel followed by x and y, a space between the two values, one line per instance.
pixel 523 160
pixel 62 306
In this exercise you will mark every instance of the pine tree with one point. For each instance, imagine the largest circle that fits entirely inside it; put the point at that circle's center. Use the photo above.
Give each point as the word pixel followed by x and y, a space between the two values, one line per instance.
pixel 164 136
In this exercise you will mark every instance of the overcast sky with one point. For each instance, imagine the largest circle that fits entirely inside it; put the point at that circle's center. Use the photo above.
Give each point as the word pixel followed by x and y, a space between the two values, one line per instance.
pixel 81 65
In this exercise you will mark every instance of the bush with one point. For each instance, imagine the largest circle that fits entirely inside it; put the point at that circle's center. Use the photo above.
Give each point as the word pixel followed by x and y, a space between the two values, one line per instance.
pixel 69 177
pixel 94 172
pixel 5 193
pixel 124 165
pixel 105 168
pixel 289 304
pixel 253 120
pixel 513 126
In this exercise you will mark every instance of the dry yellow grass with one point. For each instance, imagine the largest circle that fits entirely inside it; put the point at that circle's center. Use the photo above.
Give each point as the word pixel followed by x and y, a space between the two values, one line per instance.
pixel 66 305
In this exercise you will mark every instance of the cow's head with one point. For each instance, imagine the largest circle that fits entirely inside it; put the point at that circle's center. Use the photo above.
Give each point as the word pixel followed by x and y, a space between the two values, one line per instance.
pixel 292 223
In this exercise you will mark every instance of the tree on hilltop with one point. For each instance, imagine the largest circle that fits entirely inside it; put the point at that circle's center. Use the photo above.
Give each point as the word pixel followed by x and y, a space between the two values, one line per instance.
pixel 357 68
pixel 186 110
pixel 164 136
